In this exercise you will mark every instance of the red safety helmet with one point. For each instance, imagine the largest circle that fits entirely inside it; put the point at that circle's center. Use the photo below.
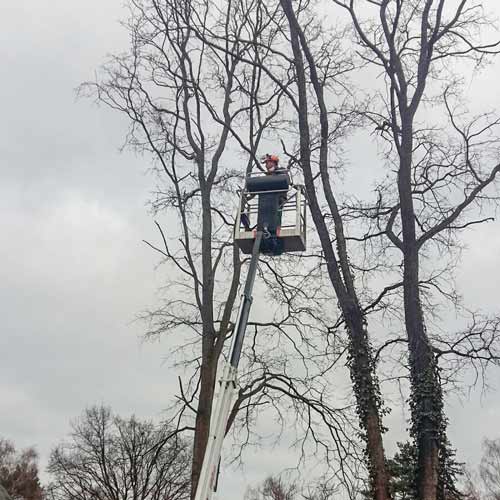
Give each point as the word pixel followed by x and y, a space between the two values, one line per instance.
pixel 270 159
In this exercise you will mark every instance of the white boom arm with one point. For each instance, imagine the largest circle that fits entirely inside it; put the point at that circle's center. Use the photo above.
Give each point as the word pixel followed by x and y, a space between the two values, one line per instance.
pixel 227 390
pixel 222 409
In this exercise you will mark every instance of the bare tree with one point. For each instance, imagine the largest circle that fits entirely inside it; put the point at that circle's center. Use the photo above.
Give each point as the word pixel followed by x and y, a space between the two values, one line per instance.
pixel 194 89
pixel 471 489
pixel 19 472
pixel 273 488
pixel 489 468
pixel 280 488
pixel 188 106
pixel 439 180
pixel 107 457
pixel 362 368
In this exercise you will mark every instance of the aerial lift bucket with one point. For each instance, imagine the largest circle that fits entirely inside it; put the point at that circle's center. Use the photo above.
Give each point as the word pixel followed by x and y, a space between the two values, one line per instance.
pixel 270 204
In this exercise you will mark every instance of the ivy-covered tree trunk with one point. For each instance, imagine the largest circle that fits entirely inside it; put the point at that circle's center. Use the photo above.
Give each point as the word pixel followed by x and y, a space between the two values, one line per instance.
pixel 426 398
pixel 361 364
pixel 368 400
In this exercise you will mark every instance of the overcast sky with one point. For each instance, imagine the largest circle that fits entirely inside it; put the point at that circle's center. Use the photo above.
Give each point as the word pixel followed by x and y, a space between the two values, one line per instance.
pixel 74 272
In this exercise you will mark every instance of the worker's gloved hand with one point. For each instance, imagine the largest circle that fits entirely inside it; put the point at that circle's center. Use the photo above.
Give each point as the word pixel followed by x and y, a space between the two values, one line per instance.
pixel 245 221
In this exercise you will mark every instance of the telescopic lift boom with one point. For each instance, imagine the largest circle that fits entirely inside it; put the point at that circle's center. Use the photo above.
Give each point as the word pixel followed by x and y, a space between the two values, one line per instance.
pixel 270 236
pixel 228 387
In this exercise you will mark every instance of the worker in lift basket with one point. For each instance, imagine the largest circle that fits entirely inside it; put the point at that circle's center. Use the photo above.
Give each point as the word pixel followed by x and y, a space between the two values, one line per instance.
pixel 272 242
pixel 272 168
pixel 271 162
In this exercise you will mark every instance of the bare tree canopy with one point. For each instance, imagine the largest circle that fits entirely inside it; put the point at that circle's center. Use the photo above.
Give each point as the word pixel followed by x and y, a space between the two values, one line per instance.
pixel 489 468
pixel 201 100
pixel 107 457
pixel 280 488
pixel 273 488
pixel 439 172
pixel 189 107
pixel 19 472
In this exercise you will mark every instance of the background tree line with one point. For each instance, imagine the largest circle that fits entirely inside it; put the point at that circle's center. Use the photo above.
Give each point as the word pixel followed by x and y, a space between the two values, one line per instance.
pixel 474 485
pixel 105 456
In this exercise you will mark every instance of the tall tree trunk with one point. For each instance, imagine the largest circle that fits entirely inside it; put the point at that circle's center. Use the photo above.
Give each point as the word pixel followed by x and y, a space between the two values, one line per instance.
pixel 362 367
pixel 209 355
pixel 367 393
pixel 202 424
pixel 426 399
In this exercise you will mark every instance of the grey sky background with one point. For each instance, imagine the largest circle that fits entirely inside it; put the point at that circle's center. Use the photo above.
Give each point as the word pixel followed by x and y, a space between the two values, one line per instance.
pixel 74 272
